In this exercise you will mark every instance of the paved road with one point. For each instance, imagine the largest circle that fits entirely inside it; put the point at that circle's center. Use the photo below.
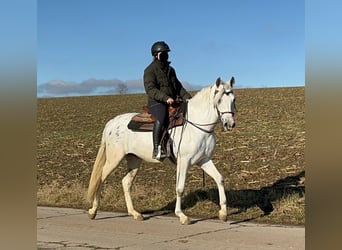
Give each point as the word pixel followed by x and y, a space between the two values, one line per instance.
pixel 64 228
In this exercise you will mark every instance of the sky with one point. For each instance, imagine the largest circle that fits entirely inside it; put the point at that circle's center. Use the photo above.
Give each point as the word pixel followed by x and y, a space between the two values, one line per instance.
pixel 88 47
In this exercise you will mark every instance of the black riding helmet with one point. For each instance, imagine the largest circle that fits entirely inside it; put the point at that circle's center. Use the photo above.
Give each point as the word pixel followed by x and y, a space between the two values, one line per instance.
pixel 159 47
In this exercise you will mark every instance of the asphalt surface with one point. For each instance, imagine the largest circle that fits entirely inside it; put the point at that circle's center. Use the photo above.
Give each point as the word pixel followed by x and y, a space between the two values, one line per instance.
pixel 65 228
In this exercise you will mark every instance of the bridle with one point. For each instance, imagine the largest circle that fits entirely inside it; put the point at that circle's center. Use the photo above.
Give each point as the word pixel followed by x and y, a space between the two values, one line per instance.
pixel 225 112
pixel 219 113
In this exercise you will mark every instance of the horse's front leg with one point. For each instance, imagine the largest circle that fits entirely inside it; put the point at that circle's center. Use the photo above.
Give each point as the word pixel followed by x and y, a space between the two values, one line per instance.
pixel 182 169
pixel 211 170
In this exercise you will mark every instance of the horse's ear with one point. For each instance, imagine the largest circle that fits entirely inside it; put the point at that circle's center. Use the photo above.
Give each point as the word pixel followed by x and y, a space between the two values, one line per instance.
pixel 218 81
pixel 232 81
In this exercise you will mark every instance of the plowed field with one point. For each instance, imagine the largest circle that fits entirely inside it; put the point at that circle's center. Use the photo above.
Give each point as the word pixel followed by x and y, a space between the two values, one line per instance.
pixel 262 160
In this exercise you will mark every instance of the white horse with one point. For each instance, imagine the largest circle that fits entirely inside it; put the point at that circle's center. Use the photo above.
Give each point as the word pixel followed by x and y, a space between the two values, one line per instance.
pixel 193 144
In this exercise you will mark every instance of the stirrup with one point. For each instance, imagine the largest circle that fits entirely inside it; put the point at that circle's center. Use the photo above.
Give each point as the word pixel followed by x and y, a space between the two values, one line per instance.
pixel 160 154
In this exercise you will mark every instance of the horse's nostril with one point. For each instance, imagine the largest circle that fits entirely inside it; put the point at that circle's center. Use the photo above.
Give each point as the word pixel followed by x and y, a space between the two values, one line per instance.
pixel 233 125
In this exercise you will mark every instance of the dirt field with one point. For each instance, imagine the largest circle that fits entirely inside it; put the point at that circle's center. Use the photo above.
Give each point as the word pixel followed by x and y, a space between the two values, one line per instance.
pixel 262 160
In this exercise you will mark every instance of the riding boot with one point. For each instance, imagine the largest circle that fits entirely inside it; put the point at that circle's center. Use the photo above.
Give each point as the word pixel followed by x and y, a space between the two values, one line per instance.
pixel 158 152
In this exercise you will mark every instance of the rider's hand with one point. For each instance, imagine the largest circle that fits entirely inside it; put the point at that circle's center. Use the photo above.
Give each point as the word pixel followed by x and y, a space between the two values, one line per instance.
pixel 169 101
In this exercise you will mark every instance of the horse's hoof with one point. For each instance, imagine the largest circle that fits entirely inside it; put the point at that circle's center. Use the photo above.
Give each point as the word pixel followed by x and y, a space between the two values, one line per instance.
pixel 91 216
pixel 223 216
pixel 185 221
pixel 139 217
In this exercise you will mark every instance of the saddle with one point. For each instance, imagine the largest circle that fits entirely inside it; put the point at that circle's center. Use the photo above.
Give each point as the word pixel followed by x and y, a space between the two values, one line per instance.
pixel 144 121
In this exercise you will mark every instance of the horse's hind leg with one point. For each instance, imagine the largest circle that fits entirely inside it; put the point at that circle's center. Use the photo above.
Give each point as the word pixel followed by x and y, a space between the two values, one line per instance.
pixel 96 203
pixel 133 163
pixel 211 170
pixel 113 159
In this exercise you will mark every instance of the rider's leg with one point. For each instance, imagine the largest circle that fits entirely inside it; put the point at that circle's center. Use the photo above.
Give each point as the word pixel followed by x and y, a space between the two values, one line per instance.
pixel 158 152
pixel 160 112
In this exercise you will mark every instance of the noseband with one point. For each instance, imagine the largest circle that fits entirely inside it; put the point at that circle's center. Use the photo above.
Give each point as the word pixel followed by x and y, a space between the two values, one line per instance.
pixel 220 114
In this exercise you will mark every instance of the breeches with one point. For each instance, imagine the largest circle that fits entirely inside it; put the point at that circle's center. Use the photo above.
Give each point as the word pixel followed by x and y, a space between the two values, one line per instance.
pixel 160 111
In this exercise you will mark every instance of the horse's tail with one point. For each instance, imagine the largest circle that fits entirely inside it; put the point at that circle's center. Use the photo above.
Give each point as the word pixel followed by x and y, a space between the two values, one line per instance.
pixel 96 174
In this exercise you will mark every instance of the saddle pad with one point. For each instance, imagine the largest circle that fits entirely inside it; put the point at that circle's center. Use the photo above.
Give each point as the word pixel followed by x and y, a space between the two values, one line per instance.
pixel 144 118
pixel 140 126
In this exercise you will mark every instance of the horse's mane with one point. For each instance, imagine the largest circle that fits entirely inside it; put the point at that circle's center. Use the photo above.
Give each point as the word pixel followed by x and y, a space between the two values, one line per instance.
pixel 204 95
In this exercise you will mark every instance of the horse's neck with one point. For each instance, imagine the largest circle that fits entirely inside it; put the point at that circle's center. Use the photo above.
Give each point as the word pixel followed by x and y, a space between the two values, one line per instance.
pixel 202 111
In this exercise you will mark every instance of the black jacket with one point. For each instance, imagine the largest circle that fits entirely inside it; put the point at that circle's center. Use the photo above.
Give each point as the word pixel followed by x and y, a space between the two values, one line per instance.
pixel 161 82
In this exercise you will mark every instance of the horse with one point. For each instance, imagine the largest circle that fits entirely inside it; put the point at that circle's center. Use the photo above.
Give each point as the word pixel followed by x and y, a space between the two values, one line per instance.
pixel 193 144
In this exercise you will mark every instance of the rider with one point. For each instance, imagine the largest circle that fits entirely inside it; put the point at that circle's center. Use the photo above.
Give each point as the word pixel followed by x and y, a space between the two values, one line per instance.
pixel 162 87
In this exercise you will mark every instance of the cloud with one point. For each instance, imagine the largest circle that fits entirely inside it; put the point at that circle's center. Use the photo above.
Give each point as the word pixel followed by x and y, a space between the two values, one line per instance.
pixel 59 88
pixel 88 87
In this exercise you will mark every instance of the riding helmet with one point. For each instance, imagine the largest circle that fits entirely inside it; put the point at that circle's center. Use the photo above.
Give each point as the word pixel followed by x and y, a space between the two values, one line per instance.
pixel 159 47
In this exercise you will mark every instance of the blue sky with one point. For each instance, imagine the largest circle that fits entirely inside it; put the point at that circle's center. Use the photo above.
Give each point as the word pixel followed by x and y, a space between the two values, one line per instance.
pixel 86 47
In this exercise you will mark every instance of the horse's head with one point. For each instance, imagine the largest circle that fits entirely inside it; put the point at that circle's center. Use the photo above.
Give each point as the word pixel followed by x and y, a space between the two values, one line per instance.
pixel 225 102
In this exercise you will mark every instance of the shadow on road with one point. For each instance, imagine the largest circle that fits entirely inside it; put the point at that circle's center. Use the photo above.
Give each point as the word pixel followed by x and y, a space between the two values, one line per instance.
pixel 242 199
pixel 112 217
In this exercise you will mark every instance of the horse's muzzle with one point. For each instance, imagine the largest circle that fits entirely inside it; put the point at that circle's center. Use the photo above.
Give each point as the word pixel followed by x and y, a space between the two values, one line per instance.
pixel 228 127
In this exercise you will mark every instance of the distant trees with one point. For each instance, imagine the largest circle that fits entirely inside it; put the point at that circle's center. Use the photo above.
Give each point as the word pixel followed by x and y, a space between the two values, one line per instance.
pixel 121 88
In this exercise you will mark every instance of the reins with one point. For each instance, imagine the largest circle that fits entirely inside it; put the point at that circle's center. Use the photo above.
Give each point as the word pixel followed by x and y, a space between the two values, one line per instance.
pixel 197 125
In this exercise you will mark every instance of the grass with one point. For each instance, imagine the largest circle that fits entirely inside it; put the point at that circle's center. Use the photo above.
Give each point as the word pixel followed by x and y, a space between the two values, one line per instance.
pixel 262 160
